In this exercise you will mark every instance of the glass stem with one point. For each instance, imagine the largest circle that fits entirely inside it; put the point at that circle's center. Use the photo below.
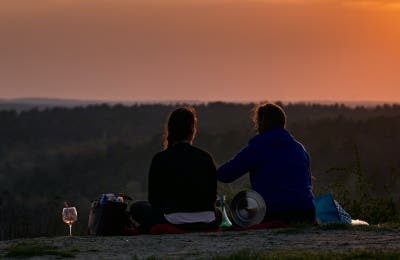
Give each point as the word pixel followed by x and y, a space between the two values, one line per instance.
pixel 70 230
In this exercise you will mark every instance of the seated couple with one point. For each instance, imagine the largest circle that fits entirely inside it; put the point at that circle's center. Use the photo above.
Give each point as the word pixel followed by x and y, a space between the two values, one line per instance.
pixel 182 181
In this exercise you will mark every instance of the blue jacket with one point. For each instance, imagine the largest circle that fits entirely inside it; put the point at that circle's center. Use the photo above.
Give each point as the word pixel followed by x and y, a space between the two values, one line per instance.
pixel 279 169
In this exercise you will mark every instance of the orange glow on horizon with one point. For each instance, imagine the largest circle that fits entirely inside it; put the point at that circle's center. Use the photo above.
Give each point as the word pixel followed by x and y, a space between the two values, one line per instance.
pixel 231 50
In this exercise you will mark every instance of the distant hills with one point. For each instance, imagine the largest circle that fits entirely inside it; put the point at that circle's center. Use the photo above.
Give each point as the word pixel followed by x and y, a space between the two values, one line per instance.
pixel 21 104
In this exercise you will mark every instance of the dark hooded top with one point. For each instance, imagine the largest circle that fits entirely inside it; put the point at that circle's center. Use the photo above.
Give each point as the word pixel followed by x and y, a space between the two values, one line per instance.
pixel 279 168
pixel 182 178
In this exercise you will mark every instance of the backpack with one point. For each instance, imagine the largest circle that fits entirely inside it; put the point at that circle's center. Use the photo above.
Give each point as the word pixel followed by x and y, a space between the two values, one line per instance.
pixel 109 217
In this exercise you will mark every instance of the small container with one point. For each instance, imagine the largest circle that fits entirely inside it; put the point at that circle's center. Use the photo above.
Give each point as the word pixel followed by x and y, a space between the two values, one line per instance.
pixel 225 223
pixel 110 197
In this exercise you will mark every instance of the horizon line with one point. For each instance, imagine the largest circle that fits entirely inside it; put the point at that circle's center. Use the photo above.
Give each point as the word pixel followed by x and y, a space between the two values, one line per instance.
pixel 141 101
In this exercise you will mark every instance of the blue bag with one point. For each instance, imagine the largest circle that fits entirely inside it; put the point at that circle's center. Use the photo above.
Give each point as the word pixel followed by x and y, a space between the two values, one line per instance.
pixel 329 210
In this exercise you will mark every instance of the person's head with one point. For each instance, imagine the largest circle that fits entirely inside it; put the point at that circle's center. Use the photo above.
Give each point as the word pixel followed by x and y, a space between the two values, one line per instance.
pixel 181 126
pixel 267 116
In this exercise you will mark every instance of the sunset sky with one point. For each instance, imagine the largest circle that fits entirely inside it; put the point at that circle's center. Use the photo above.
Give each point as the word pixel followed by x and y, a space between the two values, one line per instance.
pixel 229 50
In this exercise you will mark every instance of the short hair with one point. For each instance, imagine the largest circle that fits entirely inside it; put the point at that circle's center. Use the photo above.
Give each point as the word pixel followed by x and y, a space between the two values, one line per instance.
pixel 181 125
pixel 267 116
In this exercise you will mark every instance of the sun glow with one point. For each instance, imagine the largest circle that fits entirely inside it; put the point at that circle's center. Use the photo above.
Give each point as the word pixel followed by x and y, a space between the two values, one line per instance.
pixel 393 6
pixel 374 5
pixel 195 49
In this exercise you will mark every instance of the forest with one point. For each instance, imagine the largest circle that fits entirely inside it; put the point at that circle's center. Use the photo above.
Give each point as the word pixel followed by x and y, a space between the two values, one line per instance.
pixel 74 154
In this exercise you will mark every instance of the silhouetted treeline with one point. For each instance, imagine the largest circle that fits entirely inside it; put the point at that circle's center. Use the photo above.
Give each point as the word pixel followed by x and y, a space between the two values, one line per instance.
pixel 75 154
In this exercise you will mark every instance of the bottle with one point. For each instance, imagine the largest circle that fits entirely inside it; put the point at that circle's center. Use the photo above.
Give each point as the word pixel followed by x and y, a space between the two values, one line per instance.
pixel 225 223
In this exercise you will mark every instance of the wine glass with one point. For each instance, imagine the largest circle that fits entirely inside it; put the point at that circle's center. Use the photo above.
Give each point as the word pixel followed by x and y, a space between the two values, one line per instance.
pixel 69 216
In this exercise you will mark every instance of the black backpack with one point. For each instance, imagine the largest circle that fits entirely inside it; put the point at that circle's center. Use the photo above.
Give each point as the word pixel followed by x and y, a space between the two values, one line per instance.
pixel 109 218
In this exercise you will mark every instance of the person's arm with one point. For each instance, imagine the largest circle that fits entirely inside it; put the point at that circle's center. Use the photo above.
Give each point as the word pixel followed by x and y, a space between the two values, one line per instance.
pixel 311 177
pixel 212 169
pixel 154 183
pixel 238 166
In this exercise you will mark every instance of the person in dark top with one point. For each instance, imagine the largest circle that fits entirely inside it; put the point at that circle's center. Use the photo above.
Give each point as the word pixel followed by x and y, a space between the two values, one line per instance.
pixel 279 168
pixel 182 181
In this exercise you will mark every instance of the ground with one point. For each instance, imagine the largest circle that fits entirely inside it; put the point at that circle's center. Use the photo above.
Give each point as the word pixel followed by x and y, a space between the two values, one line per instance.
pixel 299 242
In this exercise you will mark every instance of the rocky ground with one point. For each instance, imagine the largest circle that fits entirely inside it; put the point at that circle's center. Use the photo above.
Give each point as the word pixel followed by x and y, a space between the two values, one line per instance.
pixel 206 245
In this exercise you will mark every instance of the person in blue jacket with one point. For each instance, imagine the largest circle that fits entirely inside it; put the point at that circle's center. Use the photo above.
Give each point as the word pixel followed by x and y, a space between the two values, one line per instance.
pixel 279 168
